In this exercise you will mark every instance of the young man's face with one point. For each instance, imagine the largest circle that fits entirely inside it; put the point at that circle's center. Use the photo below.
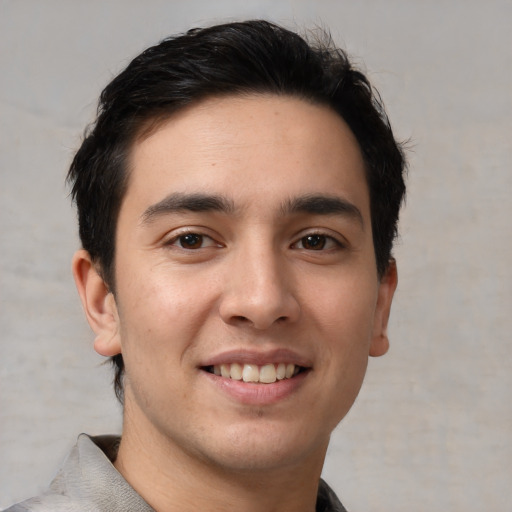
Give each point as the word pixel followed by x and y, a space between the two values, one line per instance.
pixel 244 244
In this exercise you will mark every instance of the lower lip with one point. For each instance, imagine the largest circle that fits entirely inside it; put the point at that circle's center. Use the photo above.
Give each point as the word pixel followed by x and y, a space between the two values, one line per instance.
pixel 258 394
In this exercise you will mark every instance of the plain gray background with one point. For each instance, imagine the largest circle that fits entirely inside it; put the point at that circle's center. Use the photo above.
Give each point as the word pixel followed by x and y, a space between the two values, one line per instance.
pixel 432 428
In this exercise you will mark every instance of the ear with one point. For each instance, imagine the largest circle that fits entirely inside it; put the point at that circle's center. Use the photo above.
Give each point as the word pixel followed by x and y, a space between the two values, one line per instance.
pixel 99 304
pixel 380 342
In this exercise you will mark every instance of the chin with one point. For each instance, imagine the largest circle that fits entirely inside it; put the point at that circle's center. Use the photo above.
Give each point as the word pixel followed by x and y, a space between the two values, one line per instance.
pixel 266 448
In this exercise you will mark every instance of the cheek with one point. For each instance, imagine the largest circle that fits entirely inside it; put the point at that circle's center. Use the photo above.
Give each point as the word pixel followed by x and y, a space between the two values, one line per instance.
pixel 345 324
pixel 157 327
pixel 344 319
pixel 156 318
pixel 161 295
pixel 345 307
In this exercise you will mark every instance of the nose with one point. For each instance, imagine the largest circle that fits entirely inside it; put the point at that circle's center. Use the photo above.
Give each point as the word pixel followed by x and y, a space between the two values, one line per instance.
pixel 259 291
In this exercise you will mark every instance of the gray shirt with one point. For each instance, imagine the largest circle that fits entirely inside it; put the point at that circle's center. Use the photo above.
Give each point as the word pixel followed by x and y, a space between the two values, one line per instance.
pixel 88 482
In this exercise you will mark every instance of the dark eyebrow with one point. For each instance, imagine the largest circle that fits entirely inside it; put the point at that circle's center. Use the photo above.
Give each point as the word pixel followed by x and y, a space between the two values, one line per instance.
pixel 323 205
pixel 179 202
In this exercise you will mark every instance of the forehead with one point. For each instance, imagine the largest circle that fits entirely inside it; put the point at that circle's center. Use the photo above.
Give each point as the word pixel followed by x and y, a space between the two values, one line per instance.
pixel 250 149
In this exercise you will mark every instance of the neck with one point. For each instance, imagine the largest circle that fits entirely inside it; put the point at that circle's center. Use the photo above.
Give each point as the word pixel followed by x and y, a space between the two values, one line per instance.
pixel 170 479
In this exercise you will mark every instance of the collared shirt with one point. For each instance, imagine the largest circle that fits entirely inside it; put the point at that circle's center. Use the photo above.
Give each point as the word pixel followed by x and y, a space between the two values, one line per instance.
pixel 88 482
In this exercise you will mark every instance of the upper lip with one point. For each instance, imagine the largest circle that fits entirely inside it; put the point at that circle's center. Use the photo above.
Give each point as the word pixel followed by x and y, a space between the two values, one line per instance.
pixel 245 356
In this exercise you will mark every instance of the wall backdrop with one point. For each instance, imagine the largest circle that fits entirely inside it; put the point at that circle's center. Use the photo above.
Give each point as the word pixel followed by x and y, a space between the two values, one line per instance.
pixel 432 428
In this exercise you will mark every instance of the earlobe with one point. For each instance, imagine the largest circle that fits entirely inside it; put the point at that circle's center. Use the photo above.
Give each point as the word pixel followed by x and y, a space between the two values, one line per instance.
pixel 99 304
pixel 380 342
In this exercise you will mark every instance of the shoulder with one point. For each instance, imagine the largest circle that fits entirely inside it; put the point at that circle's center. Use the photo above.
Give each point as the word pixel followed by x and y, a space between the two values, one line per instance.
pixel 50 503
pixel 87 482
pixel 327 501
pixel 71 490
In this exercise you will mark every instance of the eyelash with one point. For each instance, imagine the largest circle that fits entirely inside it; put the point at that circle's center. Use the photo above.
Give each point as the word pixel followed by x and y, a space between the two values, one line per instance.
pixel 325 240
pixel 177 240
pixel 321 238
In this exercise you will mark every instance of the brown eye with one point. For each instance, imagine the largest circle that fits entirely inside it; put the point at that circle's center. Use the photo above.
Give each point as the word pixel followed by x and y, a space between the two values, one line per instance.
pixel 317 242
pixel 313 242
pixel 190 241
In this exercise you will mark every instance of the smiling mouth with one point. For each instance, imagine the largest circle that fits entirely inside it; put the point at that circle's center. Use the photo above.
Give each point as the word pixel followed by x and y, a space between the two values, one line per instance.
pixel 264 374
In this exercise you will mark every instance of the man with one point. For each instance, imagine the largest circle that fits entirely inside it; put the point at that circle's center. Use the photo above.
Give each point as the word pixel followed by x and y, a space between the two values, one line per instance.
pixel 238 198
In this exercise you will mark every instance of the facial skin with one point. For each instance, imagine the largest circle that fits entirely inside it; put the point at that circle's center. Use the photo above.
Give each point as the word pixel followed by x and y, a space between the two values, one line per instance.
pixel 214 265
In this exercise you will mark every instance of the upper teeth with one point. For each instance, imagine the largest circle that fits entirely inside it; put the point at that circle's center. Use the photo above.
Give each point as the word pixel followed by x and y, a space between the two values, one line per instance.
pixel 266 374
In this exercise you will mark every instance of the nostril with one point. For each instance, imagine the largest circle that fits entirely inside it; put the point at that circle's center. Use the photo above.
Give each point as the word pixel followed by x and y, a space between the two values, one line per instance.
pixel 245 310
